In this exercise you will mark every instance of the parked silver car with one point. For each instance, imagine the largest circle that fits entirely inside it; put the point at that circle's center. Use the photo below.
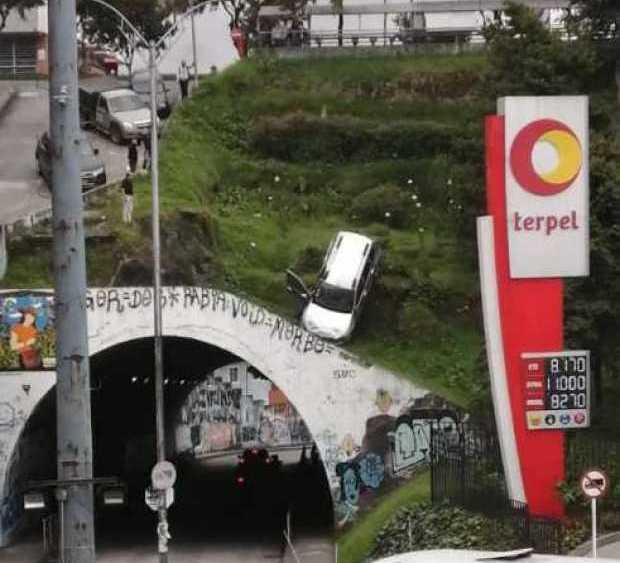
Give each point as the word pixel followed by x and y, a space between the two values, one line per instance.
pixel 92 168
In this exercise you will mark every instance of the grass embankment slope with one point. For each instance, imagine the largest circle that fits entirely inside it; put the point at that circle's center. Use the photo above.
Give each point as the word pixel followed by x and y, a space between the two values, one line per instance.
pixel 358 541
pixel 270 158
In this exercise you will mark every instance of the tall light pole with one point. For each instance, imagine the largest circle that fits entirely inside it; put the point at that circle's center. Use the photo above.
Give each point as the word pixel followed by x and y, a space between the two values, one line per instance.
pixel 160 437
pixel 73 418
pixel 194 47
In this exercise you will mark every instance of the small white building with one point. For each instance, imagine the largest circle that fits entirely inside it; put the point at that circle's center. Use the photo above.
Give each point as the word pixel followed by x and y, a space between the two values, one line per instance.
pixel 23 44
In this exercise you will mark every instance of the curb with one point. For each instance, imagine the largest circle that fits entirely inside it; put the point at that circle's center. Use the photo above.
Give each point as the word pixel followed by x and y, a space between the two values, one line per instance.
pixel 586 548
pixel 5 104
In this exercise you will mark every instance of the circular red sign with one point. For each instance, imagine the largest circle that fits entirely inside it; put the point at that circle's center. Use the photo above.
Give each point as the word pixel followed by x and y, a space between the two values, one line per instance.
pixel 567 147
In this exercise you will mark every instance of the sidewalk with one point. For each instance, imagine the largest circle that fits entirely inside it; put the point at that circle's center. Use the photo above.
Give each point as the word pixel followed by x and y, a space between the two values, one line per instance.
pixel 29 550
pixel 608 547
pixel 310 549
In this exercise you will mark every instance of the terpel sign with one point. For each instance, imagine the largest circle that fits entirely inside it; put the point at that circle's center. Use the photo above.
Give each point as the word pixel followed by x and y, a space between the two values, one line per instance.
pixel 547 187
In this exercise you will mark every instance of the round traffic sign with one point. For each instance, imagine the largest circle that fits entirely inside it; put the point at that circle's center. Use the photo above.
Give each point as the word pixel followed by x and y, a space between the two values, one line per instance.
pixel 163 475
pixel 594 483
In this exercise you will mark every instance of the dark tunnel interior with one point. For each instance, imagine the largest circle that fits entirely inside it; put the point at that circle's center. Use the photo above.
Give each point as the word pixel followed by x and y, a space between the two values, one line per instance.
pixel 232 494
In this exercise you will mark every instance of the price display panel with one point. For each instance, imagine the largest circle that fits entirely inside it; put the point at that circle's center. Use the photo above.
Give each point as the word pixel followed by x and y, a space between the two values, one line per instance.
pixel 556 389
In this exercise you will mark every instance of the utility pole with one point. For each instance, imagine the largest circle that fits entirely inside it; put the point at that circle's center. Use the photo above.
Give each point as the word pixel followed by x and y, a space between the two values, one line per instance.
pixel 194 48
pixel 74 445
pixel 162 528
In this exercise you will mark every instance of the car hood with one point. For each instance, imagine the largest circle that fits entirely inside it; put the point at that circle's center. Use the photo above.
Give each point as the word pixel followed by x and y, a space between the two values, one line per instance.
pixel 90 163
pixel 326 323
pixel 137 115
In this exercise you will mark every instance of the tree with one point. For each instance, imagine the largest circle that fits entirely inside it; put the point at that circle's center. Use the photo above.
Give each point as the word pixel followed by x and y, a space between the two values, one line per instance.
pixel 596 18
pixel 21 6
pixel 152 19
pixel 526 58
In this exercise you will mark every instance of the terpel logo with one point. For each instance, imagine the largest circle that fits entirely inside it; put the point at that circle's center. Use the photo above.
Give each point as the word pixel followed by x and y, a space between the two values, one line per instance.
pixel 546 157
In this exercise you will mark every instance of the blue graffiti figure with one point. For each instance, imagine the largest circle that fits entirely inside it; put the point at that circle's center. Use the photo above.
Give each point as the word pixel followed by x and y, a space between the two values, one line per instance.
pixel 372 470
pixel 350 486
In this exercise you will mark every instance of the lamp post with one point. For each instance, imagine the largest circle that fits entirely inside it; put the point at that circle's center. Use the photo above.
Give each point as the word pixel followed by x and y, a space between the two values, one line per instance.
pixel 154 47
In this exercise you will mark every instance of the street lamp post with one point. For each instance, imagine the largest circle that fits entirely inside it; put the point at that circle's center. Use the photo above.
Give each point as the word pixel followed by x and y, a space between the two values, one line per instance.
pixel 194 48
pixel 154 46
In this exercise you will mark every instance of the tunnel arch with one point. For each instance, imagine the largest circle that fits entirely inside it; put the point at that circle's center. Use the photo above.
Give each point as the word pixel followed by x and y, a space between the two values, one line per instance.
pixel 339 397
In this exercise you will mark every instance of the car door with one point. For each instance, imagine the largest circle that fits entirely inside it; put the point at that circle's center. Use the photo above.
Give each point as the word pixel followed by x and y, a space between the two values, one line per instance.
pixel 366 279
pixel 103 114
pixel 296 286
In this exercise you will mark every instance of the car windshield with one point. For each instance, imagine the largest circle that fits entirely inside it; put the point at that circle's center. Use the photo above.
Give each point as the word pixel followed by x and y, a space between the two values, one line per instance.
pixel 125 103
pixel 334 298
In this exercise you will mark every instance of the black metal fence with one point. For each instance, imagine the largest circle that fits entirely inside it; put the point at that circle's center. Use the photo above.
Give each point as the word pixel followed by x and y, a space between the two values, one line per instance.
pixel 469 474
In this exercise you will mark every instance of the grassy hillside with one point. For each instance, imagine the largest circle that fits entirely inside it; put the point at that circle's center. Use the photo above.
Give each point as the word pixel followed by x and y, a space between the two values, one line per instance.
pixel 270 158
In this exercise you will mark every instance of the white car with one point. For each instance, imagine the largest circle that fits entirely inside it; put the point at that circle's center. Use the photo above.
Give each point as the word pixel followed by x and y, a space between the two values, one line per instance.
pixel 465 556
pixel 331 307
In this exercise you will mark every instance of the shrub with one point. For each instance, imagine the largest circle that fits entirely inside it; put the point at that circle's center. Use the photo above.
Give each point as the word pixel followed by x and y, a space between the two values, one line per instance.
pixel 302 137
pixel 373 205
pixel 415 320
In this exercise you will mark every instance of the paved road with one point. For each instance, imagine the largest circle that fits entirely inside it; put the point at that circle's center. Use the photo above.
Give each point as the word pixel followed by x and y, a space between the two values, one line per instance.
pixel 22 192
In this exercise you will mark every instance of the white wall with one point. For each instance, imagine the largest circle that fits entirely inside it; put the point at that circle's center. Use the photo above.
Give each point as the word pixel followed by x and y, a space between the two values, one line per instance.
pixel 214 45
pixel 35 20
pixel 341 399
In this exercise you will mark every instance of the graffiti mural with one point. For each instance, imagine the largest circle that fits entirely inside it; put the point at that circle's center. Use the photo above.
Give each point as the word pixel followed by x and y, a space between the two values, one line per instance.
pixel 393 449
pixel 234 408
pixel 27 336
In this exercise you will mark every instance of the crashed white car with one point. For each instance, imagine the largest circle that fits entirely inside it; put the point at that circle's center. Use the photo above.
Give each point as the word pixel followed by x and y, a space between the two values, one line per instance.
pixel 331 307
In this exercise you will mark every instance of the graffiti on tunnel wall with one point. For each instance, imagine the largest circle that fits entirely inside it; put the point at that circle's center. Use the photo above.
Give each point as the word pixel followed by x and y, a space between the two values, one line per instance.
pixel 27 336
pixel 393 449
pixel 233 408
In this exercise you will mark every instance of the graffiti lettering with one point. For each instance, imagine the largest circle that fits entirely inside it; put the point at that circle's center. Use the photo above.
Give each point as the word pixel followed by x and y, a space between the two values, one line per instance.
pixel 118 301
pixel 344 374
pixel 232 409
pixel 411 445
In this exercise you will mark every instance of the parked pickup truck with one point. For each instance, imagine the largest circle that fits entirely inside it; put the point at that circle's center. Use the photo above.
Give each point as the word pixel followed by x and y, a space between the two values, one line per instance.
pixel 118 112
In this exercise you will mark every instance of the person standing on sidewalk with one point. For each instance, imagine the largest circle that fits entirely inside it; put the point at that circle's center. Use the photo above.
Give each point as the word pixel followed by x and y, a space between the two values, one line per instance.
pixel 132 156
pixel 127 187
pixel 147 152
pixel 184 79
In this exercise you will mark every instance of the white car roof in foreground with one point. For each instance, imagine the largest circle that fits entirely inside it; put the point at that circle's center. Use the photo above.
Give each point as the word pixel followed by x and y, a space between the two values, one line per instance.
pixel 345 261
pixel 464 556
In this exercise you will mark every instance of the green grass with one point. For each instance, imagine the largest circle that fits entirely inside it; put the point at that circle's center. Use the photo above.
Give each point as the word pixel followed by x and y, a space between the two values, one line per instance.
pixel 357 542
pixel 267 213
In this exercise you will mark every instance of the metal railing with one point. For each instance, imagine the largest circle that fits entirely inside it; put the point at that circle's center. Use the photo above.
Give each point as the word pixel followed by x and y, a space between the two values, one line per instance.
pixel 471 476
pixel 302 38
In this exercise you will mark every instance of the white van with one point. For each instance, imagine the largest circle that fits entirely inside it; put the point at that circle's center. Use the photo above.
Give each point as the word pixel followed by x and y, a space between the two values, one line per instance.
pixel 332 306
pixel 465 556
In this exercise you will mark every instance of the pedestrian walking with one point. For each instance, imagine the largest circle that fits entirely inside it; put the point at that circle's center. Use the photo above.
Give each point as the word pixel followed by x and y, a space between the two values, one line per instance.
pixel 132 156
pixel 147 152
pixel 127 187
pixel 184 79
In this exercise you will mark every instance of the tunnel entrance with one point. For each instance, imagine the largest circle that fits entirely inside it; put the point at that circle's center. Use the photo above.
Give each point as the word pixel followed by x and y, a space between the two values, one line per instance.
pixel 244 456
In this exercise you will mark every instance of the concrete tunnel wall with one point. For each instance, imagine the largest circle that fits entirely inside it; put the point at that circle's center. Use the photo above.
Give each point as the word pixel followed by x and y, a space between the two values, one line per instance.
pixel 338 396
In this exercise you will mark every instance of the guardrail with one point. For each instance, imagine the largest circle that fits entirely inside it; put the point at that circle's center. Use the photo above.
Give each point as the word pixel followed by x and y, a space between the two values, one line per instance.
pixel 277 38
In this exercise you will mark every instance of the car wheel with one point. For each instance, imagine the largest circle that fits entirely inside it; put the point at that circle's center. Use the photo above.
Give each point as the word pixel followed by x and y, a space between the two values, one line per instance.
pixel 116 136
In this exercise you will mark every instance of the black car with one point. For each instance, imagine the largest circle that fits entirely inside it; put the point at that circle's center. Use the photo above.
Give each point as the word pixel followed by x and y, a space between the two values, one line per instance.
pixel 92 168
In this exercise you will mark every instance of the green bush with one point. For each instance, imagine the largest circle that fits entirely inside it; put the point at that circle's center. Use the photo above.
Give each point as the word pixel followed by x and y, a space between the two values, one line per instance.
pixel 415 320
pixel 384 204
pixel 425 526
pixel 302 137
